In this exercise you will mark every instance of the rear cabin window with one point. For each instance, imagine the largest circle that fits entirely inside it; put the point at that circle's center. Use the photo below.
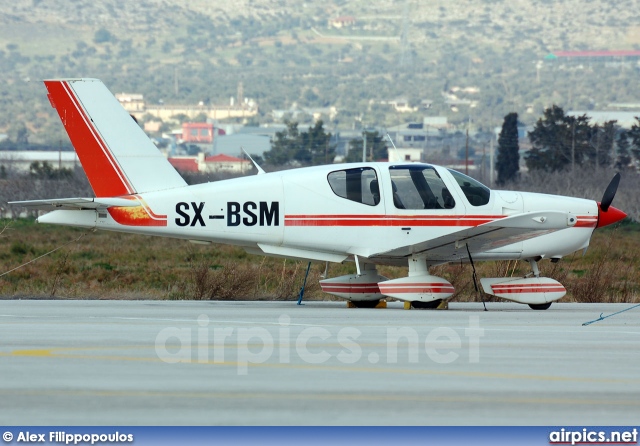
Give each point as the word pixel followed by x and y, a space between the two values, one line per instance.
pixel 359 185
pixel 419 187
pixel 477 193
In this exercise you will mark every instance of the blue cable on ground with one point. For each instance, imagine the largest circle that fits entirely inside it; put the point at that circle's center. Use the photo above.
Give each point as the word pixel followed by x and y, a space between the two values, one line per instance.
pixel 613 314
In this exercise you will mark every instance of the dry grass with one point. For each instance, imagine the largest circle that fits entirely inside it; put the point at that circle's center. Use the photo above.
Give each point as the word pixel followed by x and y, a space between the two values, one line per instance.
pixel 106 265
pixel 224 282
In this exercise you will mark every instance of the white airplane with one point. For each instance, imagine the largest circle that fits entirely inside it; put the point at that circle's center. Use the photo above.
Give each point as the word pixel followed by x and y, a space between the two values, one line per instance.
pixel 407 214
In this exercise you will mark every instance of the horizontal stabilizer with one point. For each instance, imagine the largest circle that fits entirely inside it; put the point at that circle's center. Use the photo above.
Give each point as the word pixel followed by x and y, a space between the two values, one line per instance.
pixel 78 218
pixel 75 203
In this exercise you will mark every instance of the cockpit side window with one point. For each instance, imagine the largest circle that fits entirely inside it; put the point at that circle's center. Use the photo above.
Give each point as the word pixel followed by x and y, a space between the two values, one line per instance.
pixel 359 185
pixel 419 187
pixel 477 193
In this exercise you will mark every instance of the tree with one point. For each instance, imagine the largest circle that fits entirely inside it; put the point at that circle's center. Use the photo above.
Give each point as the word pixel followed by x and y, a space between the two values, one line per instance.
pixel 375 143
pixel 634 134
pixel 624 158
pixel 22 134
pixel 317 143
pixel 291 146
pixel 102 36
pixel 180 117
pixel 200 117
pixel 558 141
pixel 193 149
pixel 601 147
pixel 45 171
pixel 283 146
pixel 508 159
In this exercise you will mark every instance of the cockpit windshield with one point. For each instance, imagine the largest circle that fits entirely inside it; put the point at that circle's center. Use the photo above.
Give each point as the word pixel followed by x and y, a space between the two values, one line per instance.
pixel 477 193
pixel 419 187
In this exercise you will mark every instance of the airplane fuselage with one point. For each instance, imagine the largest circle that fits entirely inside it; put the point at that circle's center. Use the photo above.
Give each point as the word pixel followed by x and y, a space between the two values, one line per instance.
pixel 304 213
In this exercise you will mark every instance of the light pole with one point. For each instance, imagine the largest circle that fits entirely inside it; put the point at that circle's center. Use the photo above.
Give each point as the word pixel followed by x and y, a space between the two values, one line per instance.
pixel 491 163
pixel 364 146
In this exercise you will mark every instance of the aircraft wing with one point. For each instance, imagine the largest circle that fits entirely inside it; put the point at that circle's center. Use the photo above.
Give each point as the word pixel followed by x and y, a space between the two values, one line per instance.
pixel 75 203
pixel 488 236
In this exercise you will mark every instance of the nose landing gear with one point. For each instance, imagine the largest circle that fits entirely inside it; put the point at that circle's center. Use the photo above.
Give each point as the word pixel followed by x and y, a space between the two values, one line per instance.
pixel 533 290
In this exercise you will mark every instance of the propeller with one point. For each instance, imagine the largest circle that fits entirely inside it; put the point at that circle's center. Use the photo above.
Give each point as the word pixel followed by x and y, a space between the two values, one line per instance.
pixel 609 193
pixel 608 214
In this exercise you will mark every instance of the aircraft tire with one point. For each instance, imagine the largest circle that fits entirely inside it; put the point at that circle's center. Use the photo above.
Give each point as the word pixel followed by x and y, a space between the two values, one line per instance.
pixel 426 305
pixel 365 303
pixel 540 306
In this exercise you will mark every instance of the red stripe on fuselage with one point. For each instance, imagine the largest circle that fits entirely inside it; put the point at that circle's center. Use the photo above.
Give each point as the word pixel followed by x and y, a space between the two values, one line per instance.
pixel 134 216
pixel 377 216
pixel 149 210
pixel 389 220
pixel 137 216
pixel 586 222
pixel 105 175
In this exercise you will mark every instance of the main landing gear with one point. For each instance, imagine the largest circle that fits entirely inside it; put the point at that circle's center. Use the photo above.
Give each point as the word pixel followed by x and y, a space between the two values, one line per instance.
pixel 367 287
pixel 540 306
pixel 365 303
pixel 431 305
pixel 360 289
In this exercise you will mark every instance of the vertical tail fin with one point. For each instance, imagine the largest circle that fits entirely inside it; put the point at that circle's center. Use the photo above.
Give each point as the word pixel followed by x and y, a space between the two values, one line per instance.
pixel 117 156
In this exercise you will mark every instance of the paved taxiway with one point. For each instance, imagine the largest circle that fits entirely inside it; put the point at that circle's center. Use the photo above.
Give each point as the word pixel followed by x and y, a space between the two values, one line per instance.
pixel 105 362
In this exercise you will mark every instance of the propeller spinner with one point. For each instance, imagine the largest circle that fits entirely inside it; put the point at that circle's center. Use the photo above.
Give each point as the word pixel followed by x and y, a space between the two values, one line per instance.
pixel 608 214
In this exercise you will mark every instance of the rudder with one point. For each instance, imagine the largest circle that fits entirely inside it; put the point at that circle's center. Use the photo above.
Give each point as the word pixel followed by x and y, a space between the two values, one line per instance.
pixel 117 156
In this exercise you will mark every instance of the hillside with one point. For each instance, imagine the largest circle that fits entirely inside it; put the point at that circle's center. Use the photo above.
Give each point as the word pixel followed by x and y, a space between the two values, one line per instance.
pixel 542 25
pixel 284 52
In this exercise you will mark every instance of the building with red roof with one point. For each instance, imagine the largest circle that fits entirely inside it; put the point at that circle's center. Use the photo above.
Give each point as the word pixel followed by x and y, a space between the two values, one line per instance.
pixel 215 163
pixel 185 163
pixel 342 22
pixel 227 163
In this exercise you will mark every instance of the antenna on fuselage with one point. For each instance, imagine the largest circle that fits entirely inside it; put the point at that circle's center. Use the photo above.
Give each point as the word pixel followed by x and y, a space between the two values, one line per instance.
pixel 394 146
pixel 260 170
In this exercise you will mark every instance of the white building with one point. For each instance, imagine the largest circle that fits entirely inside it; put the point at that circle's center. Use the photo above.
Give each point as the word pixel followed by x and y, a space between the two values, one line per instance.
pixel 408 154
pixel 20 160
